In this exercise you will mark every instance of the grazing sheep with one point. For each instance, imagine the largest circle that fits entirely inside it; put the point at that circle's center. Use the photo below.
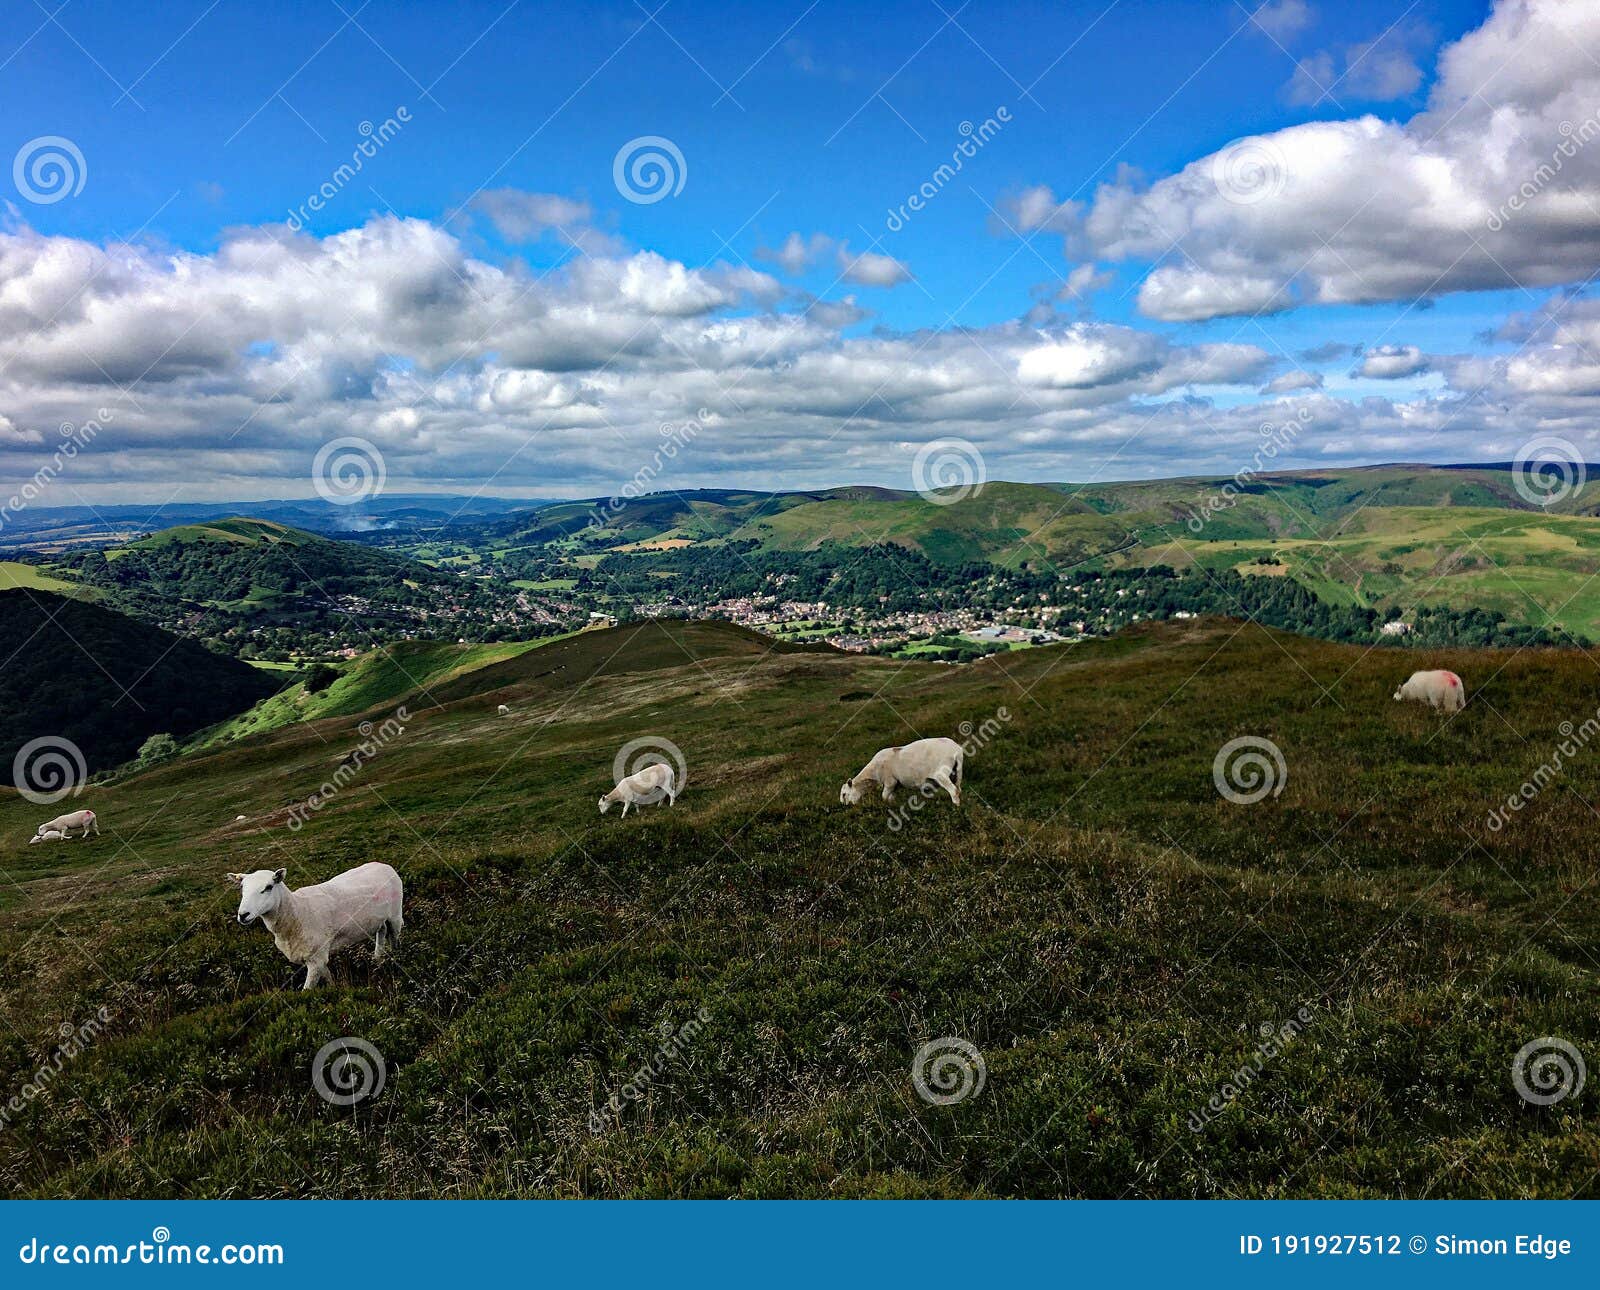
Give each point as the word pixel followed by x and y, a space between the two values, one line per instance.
pixel 1438 689
pixel 310 924
pixel 46 835
pixel 643 787
pixel 64 824
pixel 927 760
pixel 504 710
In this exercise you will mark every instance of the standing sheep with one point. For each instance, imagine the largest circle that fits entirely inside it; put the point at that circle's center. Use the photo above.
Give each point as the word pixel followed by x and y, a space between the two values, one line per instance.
pixel 643 787
pixel 937 761
pixel 314 922
pixel 64 824
pixel 1438 689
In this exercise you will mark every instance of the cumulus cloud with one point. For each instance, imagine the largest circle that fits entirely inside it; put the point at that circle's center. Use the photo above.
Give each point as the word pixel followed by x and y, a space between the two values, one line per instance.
pixel 1391 362
pixel 1283 20
pixel 869 269
pixel 1492 185
pixel 230 369
pixel 1290 382
pixel 797 255
pixel 1374 71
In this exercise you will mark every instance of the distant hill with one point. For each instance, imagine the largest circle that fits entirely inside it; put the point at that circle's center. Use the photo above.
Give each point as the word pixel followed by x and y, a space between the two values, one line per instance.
pixel 1376 537
pixel 106 682
pixel 54 528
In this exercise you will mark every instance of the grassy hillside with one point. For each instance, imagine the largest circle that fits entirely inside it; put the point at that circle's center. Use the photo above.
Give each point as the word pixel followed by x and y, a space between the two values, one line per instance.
pixel 1376 537
pixel 1109 932
pixel 104 682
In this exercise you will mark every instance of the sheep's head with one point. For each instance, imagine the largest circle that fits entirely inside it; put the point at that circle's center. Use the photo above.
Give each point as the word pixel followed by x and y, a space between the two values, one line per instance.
pixel 260 893
pixel 605 804
pixel 849 795
pixel 1400 693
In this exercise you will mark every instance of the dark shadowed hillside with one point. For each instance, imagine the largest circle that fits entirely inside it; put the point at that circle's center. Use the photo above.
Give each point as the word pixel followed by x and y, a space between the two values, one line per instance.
pixel 105 681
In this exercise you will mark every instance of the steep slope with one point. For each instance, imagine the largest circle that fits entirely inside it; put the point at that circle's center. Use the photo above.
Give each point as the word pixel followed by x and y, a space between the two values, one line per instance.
pixel 105 682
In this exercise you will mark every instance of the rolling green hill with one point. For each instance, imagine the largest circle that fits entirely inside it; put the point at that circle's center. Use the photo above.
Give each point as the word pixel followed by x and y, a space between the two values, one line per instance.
pixel 1110 934
pixel 104 682
pixel 1378 537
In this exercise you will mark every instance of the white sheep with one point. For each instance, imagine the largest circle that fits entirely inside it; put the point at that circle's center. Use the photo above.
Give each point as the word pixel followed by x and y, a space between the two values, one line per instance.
pixel 310 924
pixel 46 835
pixel 925 761
pixel 1438 689
pixel 504 711
pixel 64 824
pixel 651 784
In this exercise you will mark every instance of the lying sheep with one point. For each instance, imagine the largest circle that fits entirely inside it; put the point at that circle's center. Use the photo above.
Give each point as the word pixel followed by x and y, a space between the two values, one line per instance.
pixel 46 835
pixel 1439 689
pixel 314 922
pixel 643 787
pixel 935 761
pixel 64 824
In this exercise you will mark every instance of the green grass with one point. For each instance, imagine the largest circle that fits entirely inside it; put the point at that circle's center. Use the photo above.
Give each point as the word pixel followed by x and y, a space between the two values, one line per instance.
pixel 15 574
pixel 1107 930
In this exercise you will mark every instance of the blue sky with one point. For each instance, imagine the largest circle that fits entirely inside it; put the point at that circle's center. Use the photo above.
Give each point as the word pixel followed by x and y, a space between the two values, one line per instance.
pixel 197 123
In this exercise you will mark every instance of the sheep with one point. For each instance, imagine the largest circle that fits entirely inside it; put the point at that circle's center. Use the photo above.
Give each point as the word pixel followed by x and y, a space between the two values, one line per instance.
pixel 504 711
pixel 314 922
pixel 46 835
pixel 64 824
pixel 1438 689
pixel 651 784
pixel 927 760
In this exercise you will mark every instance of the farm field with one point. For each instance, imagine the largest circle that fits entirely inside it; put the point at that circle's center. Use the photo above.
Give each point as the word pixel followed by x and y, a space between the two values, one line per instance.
pixel 1107 931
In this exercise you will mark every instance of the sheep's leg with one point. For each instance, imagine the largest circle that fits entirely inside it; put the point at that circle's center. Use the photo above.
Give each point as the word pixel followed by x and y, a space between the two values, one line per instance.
pixel 943 780
pixel 379 947
pixel 625 806
pixel 888 791
pixel 316 970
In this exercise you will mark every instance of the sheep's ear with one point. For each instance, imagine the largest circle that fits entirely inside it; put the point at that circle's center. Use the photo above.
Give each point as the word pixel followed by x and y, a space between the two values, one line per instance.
pixel 237 879
pixel 277 874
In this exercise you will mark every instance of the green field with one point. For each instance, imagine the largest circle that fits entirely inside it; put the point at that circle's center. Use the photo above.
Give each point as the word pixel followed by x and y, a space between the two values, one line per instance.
pixel 14 574
pixel 1108 932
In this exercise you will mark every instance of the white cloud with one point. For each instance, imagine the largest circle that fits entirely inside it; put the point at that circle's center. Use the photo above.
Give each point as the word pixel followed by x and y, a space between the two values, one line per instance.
pixel 1484 189
pixel 1391 362
pixel 1283 20
pixel 869 269
pixel 1290 382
